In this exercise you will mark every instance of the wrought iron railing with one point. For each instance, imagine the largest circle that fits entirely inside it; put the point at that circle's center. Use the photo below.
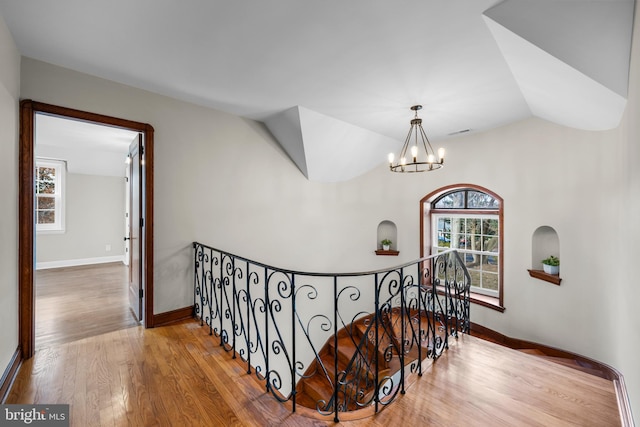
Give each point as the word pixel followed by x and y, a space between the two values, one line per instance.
pixel 359 334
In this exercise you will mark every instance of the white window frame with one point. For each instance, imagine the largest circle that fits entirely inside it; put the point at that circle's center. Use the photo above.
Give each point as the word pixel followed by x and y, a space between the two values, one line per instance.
pixel 435 217
pixel 60 167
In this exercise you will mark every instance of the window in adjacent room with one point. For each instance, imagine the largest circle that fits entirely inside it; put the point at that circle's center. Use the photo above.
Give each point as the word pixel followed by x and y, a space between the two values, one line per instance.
pixel 49 195
pixel 469 219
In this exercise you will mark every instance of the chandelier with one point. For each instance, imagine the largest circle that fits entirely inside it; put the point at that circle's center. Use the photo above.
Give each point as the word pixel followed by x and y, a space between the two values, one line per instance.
pixel 420 161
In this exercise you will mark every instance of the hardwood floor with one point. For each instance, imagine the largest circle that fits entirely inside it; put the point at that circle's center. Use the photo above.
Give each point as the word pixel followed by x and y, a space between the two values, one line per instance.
pixel 179 375
pixel 78 302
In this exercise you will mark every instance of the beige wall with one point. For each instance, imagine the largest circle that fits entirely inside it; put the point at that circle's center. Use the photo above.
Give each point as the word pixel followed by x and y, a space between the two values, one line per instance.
pixel 222 180
pixel 9 90
pixel 94 218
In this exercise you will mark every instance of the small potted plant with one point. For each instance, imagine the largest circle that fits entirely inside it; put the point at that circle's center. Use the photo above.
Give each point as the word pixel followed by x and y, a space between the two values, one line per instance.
pixel 551 265
pixel 386 243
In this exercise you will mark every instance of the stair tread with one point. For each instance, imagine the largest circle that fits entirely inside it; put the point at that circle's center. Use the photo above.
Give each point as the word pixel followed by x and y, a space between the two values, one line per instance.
pixel 317 387
pixel 347 349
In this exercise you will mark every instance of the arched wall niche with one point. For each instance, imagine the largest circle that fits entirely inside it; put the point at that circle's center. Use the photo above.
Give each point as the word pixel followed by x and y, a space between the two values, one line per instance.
pixel 387 230
pixel 545 242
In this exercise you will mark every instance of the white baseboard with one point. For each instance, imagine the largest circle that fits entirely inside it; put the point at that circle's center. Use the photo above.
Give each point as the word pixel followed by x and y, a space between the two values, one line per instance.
pixel 76 262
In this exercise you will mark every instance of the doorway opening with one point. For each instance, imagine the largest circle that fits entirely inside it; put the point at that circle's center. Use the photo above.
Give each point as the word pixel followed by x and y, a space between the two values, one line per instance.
pixel 81 183
pixel 29 217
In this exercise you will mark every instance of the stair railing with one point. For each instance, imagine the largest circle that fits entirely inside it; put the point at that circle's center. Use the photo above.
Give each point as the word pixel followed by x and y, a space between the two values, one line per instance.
pixel 284 324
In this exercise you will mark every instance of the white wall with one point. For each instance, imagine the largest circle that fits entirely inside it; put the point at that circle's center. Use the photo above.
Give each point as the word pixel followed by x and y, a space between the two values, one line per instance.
pixel 94 218
pixel 222 180
pixel 9 91
pixel 625 281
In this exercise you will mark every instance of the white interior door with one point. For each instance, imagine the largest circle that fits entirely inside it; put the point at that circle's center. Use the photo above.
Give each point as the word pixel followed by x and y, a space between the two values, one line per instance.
pixel 127 207
pixel 135 227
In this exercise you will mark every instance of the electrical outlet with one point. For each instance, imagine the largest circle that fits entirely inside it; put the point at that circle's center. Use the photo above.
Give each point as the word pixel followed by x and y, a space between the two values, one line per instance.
pixel 108 248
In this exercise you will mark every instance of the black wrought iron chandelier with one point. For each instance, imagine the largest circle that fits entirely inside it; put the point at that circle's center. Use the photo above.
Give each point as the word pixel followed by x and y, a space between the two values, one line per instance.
pixel 424 160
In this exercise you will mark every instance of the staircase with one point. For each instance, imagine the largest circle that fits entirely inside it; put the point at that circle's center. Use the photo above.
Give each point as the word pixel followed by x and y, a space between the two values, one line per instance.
pixel 352 359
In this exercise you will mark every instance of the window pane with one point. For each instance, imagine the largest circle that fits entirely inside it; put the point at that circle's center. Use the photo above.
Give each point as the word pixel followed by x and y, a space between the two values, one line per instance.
pixel 478 200
pixel 46 187
pixel 46 217
pixel 463 242
pixel 490 226
pixel 444 224
pixel 472 236
pixel 46 174
pixel 451 201
pixel 443 232
pixel 474 273
pixel 457 232
pixel 489 281
pixel 490 262
pixel 46 202
pixel 458 225
pixel 471 260
pixel 490 243
pixel 474 225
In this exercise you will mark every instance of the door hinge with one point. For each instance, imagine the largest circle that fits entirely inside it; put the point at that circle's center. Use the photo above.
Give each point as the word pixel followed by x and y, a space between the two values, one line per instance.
pixel 141 222
pixel 142 150
pixel 141 293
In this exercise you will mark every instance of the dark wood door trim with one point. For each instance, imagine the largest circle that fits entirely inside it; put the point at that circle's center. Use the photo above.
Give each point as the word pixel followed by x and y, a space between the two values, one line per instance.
pixel 26 233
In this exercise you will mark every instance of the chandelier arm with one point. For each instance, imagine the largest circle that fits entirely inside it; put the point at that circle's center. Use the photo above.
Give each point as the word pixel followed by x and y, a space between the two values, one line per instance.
pixel 405 147
pixel 417 127
pixel 426 142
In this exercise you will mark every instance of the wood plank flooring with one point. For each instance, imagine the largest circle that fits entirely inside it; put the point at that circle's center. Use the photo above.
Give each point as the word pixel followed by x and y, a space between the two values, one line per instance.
pixel 178 375
pixel 78 302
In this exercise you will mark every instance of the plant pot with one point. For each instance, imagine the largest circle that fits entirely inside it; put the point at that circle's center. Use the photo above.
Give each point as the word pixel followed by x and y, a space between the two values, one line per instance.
pixel 551 269
pixel 385 247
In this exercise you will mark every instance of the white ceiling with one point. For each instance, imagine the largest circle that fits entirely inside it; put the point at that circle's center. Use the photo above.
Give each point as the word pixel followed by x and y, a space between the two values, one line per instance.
pixel 87 148
pixel 344 73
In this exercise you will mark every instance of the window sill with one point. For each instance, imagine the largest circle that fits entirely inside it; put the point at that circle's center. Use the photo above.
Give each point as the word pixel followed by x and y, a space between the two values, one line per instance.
pixel 50 231
pixel 483 300
pixel 487 301
pixel 540 274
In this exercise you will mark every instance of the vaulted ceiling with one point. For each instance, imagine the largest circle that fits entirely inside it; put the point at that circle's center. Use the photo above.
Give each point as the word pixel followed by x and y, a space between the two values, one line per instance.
pixel 333 80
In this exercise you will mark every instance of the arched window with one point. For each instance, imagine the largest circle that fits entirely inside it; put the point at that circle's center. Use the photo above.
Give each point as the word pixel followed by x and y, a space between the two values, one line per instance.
pixel 468 218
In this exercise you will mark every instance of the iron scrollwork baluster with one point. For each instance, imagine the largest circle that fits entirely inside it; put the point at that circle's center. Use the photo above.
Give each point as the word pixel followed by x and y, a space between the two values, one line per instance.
pixel 396 317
